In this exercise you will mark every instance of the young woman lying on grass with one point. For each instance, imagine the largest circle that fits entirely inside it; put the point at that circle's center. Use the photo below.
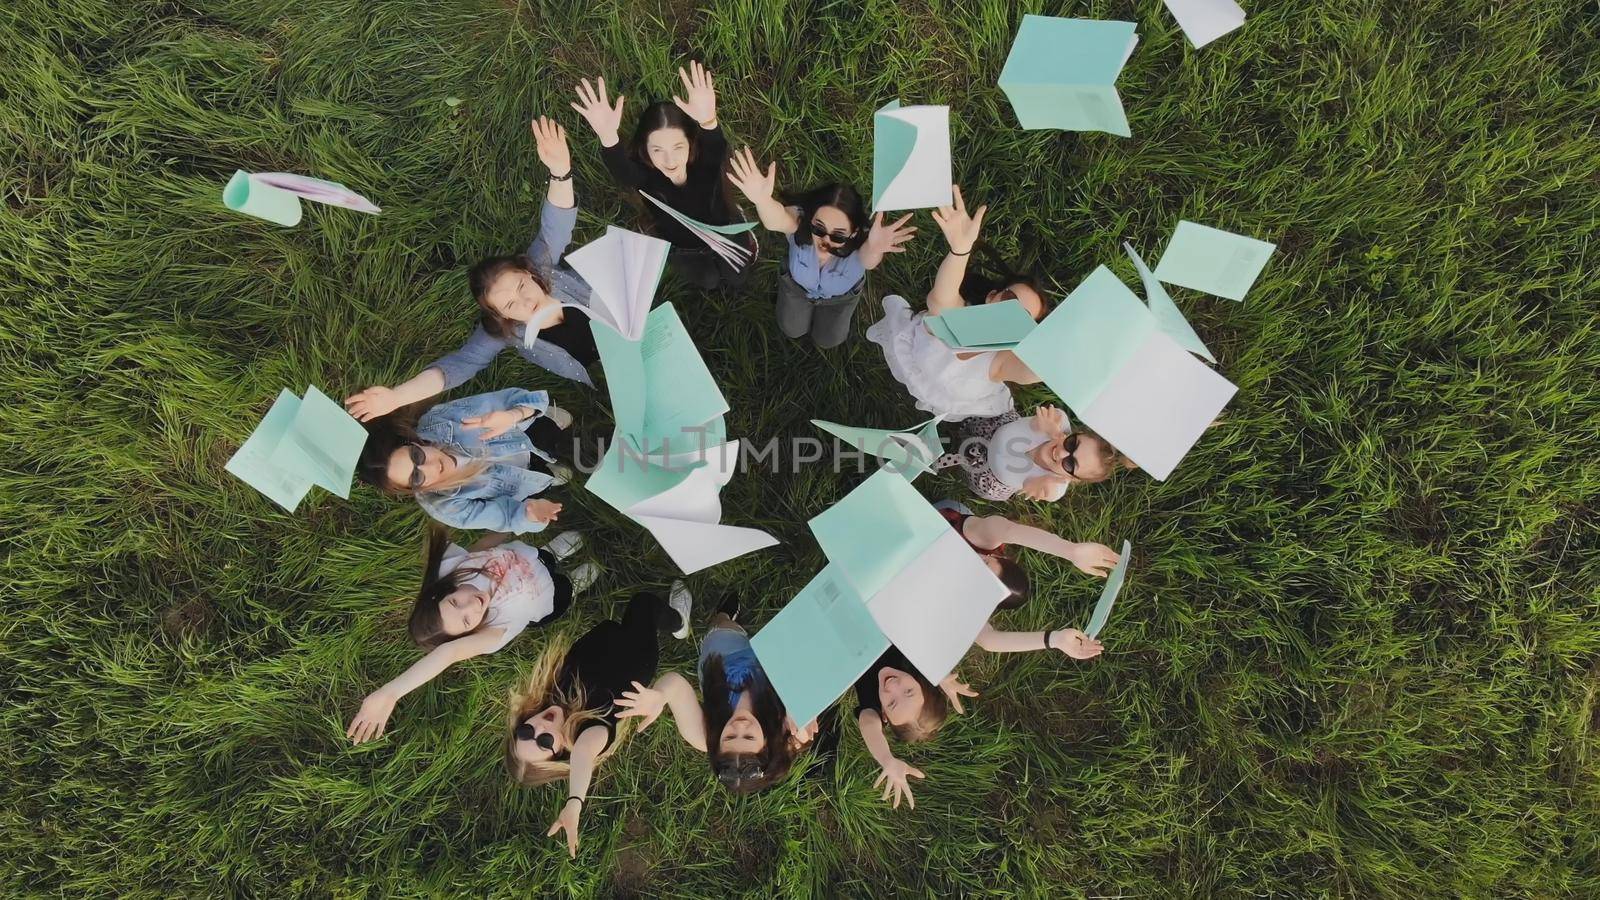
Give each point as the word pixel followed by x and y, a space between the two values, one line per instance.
pixel 677 156
pixel 519 302
pixel 832 246
pixel 1039 457
pixel 473 603
pixel 564 723
pixel 991 537
pixel 756 741
pixel 956 384
pixel 473 463
pixel 894 693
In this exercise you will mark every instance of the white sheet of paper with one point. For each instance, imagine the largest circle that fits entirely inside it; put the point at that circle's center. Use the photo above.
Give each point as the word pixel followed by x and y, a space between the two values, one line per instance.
pixel 700 545
pixel 697 497
pixel 1203 21
pixel 933 610
pixel 924 181
pixel 1158 405
pixel 622 269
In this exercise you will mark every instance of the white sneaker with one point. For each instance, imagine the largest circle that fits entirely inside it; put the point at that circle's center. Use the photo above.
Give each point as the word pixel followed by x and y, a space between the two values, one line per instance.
pixel 565 544
pixel 583 576
pixel 681 600
pixel 561 417
pixel 560 474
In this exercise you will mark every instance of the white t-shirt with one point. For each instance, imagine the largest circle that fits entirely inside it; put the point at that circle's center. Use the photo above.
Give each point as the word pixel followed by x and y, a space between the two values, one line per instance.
pixel 521 591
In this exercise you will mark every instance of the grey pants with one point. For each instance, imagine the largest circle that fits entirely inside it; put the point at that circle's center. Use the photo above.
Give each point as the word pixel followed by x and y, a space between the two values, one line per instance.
pixel 827 321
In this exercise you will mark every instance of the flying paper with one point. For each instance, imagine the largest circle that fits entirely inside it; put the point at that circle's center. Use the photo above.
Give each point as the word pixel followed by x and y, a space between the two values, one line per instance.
pixel 1212 260
pixel 1168 318
pixel 716 237
pixel 1062 73
pixel 275 196
pixel 300 443
pixel 910 157
pixel 1203 21
pixel 986 326
pixel 1108 593
pixel 908 452
pixel 623 269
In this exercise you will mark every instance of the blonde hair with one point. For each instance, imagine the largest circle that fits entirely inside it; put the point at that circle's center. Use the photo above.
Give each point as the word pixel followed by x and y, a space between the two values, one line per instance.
pixel 538 692
pixel 1110 458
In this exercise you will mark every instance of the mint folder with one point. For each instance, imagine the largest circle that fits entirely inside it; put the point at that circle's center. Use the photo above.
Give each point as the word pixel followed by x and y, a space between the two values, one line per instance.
pixel 907 452
pixel 892 141
pixel 1168 317
pixel 1212 260
pixel 1062 73
pixel 626 477
pixel 910 157
pixel 1108 593
pixel 877 530
pixel 818 645
pixel 324 442
pixel 253 198
pixel 679 391
pixel 253 464
pixel 986 326
pixel 625 380
pixel 1084 342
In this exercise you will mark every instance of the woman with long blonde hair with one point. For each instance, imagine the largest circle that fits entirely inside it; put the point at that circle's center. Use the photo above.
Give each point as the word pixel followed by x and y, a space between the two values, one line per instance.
pixel 565 720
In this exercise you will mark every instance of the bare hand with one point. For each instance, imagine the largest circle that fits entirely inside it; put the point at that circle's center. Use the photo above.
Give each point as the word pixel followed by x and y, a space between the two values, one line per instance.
pixel 601 116
pixel 888 238
pixel 745 173
pixel 893 781
pixel 373 402
pixel 492 425
pixel 954 689
pixel 701 94
pixel 801 736
pixel 371 718
pixel 1075 644
pixel 960 230
pixel 641 703
pixel 550 140
pixel 1050 420
pixel 1095 559
pixel 568 821
pixel 543 511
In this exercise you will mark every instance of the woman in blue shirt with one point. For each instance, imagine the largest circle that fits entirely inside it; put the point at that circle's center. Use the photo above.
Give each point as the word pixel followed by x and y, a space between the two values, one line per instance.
pixel 831 248
pixel 528 302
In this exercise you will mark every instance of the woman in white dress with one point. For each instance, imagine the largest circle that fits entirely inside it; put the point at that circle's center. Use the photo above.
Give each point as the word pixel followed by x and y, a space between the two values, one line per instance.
pixel 957 385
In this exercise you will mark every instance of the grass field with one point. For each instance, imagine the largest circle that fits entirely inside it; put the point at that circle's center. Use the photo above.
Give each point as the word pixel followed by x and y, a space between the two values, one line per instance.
pixel 1359 653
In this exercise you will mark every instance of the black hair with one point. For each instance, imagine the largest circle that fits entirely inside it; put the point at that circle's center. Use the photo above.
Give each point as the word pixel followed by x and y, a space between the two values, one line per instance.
pixel 1015 578
pixel 426 625
pixel 842 197
pixel 655 117
pixel 744 773
pixel 484 274
pixel 385 435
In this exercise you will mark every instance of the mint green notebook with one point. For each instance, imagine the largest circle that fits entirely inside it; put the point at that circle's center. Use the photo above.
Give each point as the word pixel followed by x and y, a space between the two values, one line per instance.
pixel 818 645
pixel 876 530
pixel 1212 260
pixel 986 326
pixel 1108 593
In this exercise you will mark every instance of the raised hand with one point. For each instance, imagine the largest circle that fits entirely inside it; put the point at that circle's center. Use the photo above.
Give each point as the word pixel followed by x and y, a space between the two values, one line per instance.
pixel 372 403
pixel 893 780
pixel 568 821
pixel 888 238
pixel 954 689
pixel 1075 643
pixel 1051 420
pixel 598 112
pixel 550 140
pixel 699 100
pixel 745 173
pixel 960 229
pixel 1095 559
pixel 801 736
pixel 544 511
pixel 492 425
pixel 371 718
pixel 642 703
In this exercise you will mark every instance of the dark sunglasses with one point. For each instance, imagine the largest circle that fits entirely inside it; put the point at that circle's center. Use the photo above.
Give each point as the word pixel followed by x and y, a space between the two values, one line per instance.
pixel 525 732
pixel 838 237
pixel 1069 463
pixel 417 459
pixel 746 771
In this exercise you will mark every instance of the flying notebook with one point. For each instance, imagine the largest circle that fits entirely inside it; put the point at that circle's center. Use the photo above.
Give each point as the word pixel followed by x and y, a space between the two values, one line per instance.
pixel 908 452
pixel 623 269
pixel 1168 318
pixel 300 443
pixel 986 326
pixel 910 157
pixel 1109 358
pixel 1062 73
pixel 1218 262
pixel 716 237
pixel 1109 592
pixel 1203 21
pixel 275 196
pixel 662 394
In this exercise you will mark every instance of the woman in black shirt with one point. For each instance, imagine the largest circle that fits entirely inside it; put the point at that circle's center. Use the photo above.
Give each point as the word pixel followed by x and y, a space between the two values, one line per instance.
pixel 677 156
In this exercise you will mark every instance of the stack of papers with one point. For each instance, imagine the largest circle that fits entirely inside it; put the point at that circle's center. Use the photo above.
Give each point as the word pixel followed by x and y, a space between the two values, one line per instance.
pixel 669 456
pixel 907 452
pixel 1121 368
pixel 1205 20
pixel 897 573
pixel 300 443
pixel 1218 262
pixel 717 237
pixel 275 196
pixel 987 326
pixel 1062 73
pixel 910 157
pixel 623 270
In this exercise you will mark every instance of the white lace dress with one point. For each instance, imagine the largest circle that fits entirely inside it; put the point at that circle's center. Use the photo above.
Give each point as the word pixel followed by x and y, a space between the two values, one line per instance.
pixel 940 381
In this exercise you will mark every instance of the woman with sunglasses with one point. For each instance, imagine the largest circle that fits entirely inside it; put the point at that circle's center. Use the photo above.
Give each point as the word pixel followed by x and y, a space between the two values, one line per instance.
pixel 831 249
pixel 1038 457
pixel 676 156
pixel 756 741
pixel 475 463
pixel 565 722
pixel 893 694
pixel 472 604
pixel 955 384
pixel 529 302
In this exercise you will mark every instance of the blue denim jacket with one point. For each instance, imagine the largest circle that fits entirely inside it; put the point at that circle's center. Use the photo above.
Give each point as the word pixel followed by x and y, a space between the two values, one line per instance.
pixel 555 233
pixel 494 499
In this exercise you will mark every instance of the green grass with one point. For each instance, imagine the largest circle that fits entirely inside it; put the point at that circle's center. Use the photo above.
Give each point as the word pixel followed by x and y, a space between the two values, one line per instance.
pixel 1359 652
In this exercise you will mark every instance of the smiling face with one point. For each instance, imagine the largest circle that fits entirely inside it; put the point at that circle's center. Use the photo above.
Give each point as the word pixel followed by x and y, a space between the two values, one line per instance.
pixel 834 224
pixel 1030 299
pixel 742 733
pixel 900 695
pixel 668 151
pixel 515 295
pixel 417 467
pixel 539 737
pixel 463 610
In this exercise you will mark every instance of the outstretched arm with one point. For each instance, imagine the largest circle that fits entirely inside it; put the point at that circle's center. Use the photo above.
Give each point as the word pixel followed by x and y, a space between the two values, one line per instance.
pixel 961 234
pixel 989 532
pixel 758 188
pixel 1070 641
pixel 373 716
pixel 670 691
pixel 895 770
pixel 586 752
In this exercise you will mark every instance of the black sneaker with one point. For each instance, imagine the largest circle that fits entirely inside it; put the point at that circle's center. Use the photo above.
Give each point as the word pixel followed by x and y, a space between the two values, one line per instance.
pixel 730 607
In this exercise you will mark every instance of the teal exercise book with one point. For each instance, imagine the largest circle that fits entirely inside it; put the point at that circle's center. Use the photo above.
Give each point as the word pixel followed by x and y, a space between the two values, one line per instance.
pixel 910 157
pixel 662 395
pixel 908 452
pixel 1217 262
pixel 986 326
pixel 1062 73
pixel 300 443
pixel 897 573
pixel 1108 593
pixel 716 237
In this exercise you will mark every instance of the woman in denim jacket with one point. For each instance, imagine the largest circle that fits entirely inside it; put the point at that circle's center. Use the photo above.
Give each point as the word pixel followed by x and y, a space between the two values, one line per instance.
pixel 475 463
pixel 527 302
